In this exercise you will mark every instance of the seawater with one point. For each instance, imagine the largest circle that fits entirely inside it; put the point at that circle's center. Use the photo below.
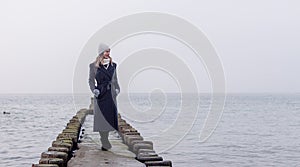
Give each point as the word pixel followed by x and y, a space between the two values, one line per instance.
pixel 33 123
pixel 255 129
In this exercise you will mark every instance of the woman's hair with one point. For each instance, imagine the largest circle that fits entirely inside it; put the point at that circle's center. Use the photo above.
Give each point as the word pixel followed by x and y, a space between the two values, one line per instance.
pixel 98 61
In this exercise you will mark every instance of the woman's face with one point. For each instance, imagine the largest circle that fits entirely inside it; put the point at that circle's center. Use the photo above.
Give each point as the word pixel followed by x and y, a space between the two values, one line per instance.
pixel 106 53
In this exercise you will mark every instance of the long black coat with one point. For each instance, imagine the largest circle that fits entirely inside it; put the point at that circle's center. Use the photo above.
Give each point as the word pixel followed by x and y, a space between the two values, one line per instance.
pixel 105 108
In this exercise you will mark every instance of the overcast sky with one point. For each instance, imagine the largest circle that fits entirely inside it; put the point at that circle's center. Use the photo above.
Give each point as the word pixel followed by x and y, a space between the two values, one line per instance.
pixel 257 41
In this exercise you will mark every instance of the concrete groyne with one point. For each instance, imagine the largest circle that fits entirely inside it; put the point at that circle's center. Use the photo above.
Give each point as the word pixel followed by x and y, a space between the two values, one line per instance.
pixel 141 148
pixel 61 150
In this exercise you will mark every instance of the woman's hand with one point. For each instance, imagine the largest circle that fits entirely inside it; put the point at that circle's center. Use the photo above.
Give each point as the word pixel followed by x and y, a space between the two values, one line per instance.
pixel 96 92
pixel 117 91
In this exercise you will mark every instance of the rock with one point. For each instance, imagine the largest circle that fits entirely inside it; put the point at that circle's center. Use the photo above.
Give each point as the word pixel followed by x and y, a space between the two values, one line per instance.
pixel 145 151
pixel 55 154
pixel 158 163
pixel 129 138
pixel 150 158
pixel 138 146
pixel 60 149
pixel 45 165
pixel 147 154
pixel 58 161
pixel 4 112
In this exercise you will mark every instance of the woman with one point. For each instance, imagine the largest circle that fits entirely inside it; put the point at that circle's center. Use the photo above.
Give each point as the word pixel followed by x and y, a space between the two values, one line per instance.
pixel 103 83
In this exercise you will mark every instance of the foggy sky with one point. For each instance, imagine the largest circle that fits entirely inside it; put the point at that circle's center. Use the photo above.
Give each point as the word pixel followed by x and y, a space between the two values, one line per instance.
pixel 257 41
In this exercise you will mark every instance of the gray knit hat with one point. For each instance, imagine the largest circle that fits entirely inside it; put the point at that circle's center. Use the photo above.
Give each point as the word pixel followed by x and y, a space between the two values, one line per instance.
pixel 101 48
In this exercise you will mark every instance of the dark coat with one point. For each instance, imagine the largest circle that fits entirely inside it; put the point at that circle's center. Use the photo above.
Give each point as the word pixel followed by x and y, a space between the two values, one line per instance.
pixel 105 108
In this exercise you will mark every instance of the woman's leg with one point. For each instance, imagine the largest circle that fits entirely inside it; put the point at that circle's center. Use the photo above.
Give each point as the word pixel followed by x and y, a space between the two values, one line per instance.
pixel 104 140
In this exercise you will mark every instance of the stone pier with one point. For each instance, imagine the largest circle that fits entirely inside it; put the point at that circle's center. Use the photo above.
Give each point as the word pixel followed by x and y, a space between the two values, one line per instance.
pixel 78 146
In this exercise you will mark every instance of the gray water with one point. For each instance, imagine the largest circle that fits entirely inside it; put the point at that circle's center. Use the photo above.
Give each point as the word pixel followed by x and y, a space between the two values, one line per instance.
pixel 255 129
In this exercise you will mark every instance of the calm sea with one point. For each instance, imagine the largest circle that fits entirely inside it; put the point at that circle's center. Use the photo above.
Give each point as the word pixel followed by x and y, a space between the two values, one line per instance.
pixel 255 129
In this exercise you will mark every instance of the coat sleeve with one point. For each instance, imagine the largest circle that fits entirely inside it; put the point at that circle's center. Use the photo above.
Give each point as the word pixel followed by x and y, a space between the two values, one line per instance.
pixel 92 77
pixel 115 78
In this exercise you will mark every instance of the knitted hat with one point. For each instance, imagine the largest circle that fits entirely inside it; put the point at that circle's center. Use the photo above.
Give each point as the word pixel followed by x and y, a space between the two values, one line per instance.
pixel 101 48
